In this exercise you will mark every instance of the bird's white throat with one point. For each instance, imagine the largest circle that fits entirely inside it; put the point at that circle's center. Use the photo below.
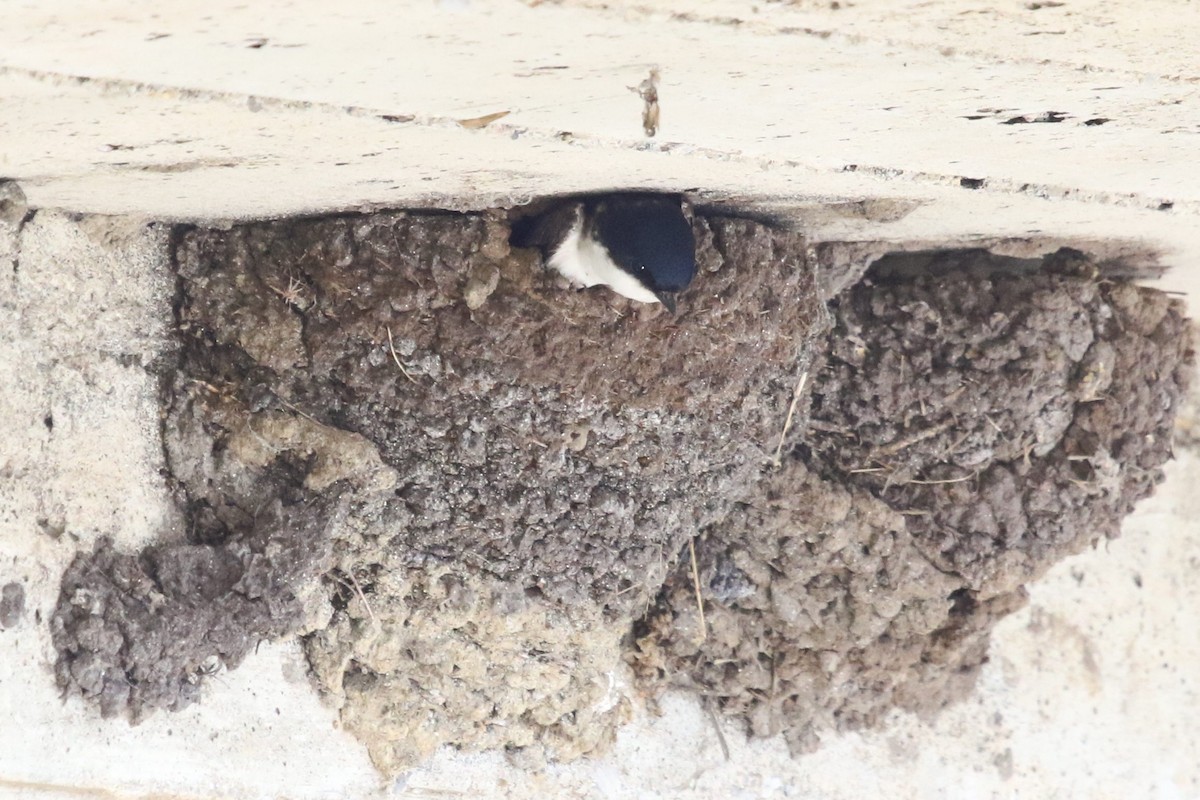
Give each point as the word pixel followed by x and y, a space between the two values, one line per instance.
pixel 585 262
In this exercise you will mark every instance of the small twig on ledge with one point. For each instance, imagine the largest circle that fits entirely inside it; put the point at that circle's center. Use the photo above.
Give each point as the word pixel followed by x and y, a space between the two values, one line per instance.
pixel 648 91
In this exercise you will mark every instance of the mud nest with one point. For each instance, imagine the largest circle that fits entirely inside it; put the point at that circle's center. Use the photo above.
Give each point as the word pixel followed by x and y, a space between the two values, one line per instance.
pixel 975 420
pixel 475 492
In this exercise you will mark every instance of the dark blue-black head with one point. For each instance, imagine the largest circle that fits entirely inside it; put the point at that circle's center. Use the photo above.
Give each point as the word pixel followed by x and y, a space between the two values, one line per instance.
pixel 649 237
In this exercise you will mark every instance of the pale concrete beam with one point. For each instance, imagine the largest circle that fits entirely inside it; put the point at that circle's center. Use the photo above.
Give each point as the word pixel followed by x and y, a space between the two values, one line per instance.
pixel 225 111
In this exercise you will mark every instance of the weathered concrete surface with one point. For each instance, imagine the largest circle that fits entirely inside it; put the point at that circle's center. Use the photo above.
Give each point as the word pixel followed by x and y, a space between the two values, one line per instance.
pixel 85 310
pixel 223 110
pixel 232 120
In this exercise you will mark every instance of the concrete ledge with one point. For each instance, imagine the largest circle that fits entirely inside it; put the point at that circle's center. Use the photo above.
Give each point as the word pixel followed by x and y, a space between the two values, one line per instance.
pixel 970 126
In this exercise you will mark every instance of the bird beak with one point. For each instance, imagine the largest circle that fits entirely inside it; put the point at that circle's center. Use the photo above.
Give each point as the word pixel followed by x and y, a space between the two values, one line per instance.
pixel 668 301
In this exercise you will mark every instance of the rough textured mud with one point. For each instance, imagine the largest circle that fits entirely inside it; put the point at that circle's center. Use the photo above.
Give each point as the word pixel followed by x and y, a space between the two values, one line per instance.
pixel 503 468
pixel 542 425
pixel 1043 411
pixel 141 632
pixel 972 425
pixel 464 484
